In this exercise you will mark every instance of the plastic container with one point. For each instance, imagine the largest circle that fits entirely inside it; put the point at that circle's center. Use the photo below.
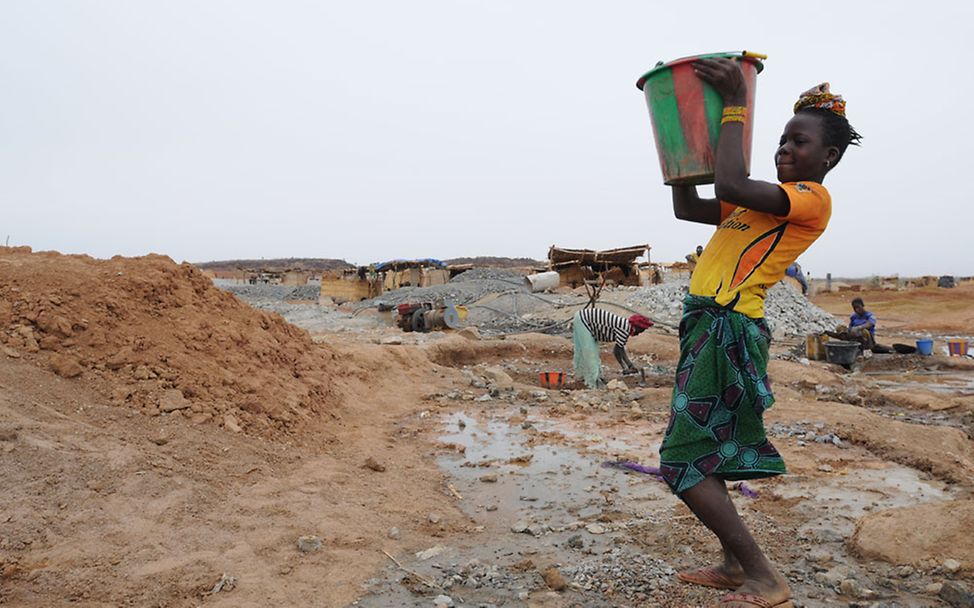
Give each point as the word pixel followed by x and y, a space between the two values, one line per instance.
pixel 957 348
pixel 841 352
pixel 925 347
pixel 543 280
pixel 685 112
pixel 552 379
pixel 815 346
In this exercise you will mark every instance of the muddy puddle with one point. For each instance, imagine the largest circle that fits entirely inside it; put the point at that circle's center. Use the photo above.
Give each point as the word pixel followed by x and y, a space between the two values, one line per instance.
pixel 539 496
pixel 944 382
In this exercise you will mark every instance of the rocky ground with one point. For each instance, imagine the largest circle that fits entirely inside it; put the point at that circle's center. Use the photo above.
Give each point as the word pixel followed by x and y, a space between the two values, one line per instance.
pixel 432 469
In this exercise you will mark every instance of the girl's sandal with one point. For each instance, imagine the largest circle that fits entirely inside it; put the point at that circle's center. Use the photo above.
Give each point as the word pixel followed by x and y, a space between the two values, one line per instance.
pixel 747 600
pixel 708 577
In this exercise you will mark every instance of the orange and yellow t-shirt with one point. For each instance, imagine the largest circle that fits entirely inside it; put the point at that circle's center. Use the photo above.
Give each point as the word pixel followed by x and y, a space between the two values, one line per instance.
pixel 751 250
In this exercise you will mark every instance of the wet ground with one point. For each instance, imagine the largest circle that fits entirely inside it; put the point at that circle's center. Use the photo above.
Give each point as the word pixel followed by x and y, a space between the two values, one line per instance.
pixel 540 496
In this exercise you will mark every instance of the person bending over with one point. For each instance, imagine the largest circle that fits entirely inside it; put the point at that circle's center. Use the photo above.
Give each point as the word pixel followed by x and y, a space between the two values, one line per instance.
pixel 594 325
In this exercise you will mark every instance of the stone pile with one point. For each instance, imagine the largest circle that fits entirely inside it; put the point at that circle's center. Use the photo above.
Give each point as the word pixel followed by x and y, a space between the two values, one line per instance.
pixel 621 573
pixel 787 311
pixel 255 294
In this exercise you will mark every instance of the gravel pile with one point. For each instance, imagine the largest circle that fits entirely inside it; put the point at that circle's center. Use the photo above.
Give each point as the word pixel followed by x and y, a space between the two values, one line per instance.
pixel 475 575
pixel 299 306
pixel 623 574
pixel 317 319
pixel 787 311
pixel 460 292
pixel 493 274
pixel 263 292
pixel 791 314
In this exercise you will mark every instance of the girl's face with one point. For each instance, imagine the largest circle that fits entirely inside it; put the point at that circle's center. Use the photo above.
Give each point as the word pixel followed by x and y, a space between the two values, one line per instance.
pixel 802 154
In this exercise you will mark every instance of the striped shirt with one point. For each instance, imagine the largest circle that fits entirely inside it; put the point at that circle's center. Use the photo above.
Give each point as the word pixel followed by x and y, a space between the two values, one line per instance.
pixel 606 326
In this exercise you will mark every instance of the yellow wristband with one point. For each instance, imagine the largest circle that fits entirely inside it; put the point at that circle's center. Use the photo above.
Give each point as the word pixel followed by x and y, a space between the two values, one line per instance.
pixel 733 114
pixel 732 118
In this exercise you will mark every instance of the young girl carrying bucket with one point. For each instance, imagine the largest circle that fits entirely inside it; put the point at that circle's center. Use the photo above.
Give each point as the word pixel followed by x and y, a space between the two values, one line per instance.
pixel 716 429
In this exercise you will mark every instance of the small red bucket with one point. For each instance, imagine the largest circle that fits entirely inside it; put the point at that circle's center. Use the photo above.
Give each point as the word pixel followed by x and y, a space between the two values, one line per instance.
pixel 552 379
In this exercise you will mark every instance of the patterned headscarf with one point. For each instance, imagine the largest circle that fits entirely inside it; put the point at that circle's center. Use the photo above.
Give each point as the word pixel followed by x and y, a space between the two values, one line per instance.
pixel 820 97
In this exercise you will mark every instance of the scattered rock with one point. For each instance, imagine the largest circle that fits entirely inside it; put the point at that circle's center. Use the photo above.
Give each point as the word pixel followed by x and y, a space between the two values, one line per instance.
pixel 576 542
pixel 430 553
pixel 955 594
pixel 589 512
pixel 393 533
pixel 520 526
pixel 850 587
pixel 374 465
pixel 830 578
pixel 933 588
pixel 433 518
pixel 470 333
pixel 443 601
pixel 819 556
pixel 66 366
pixel 498 377
pixel 554 579
pixel 307 544
pixel 951 566
pixel 226 583
pixel 230 423
pixel 905 572
pixel 489 478
pixel 172 400
pixel 391 340
pixel 616 385
pixel 595 529
pixel 893 535
pixel 9 352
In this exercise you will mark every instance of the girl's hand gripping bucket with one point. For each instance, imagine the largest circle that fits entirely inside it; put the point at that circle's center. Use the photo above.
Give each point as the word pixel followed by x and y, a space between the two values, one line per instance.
pixel 686 111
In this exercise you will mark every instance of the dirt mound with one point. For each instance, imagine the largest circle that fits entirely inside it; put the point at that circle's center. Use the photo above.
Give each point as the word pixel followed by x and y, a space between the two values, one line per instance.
pixel 160 337
pixel 894 535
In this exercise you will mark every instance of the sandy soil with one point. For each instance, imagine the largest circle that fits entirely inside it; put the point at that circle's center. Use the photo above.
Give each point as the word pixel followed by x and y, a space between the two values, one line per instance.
pixel 924 310
pixel 118 501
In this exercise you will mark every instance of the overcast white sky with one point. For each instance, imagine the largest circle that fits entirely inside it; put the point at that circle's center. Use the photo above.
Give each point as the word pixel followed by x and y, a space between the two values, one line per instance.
pixel 371 130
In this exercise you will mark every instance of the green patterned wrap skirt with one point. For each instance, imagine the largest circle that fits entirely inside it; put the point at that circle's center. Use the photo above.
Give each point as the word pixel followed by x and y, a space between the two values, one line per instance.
pixel 721 392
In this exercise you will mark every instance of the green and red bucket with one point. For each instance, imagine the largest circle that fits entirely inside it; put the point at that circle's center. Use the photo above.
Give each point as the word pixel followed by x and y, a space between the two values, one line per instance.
pixel 686 111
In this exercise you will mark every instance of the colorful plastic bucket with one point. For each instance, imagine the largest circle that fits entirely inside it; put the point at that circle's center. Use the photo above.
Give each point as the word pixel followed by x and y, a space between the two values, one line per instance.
pixel 957 348
pixel 925 347
pixel 685 112
pixel 552 379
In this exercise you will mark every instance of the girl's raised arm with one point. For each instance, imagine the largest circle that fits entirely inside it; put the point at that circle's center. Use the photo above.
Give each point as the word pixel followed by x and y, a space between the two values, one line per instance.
pixel 687 205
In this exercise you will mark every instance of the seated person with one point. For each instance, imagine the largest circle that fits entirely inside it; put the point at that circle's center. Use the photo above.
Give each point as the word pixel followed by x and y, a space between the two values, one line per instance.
pixel 862 328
